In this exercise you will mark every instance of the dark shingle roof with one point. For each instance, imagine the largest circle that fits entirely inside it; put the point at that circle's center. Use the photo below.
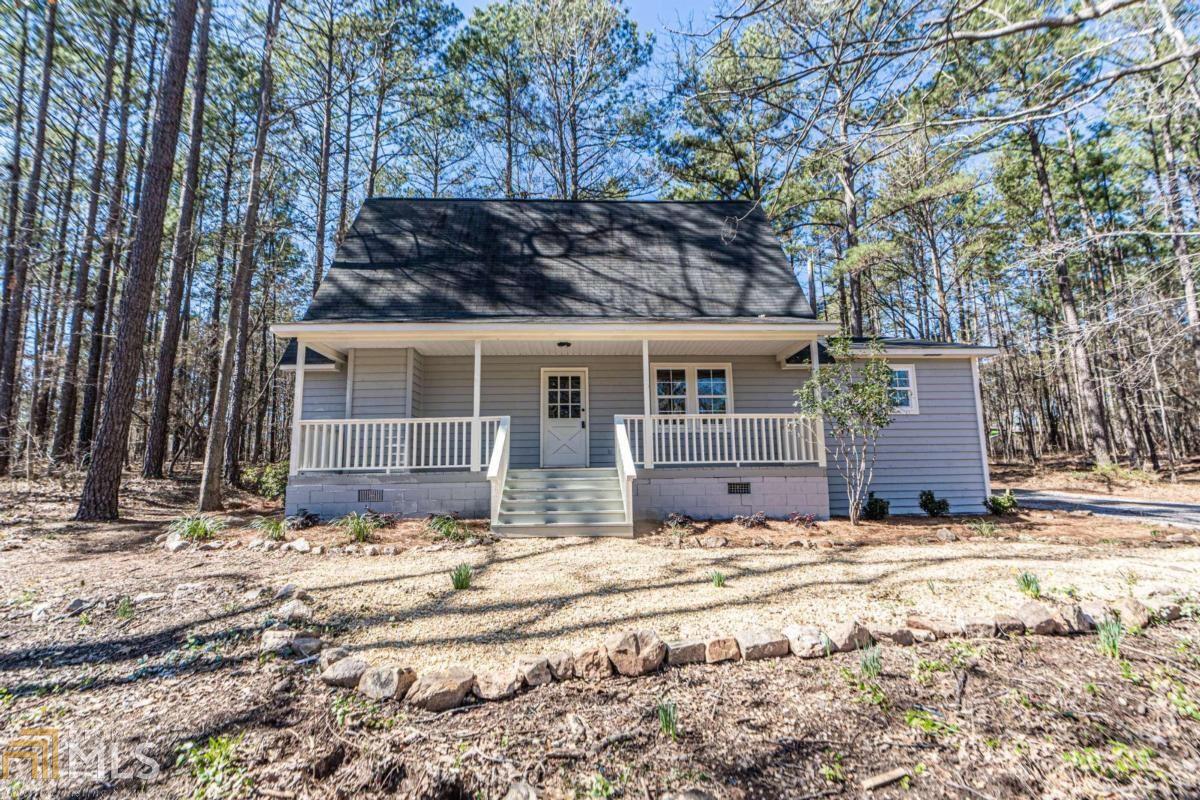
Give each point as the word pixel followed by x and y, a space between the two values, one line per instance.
pixel 457 260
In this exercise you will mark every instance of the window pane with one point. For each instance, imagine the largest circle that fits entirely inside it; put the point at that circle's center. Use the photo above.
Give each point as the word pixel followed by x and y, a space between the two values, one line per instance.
pixel 672 405
pixel 711 382
pixel 901 398
pixel 574 381
pixel 553 381
pixel 552 411
pixel 900 378
pixel 712 405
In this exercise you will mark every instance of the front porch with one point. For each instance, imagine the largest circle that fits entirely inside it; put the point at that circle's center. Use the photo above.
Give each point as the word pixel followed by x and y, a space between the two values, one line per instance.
pixel 578 435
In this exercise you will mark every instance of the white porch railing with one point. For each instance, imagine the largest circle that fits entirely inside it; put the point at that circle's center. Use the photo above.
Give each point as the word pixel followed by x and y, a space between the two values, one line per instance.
pixel 626 471
pixel 497 472
pixel 697 439
pixel 384 445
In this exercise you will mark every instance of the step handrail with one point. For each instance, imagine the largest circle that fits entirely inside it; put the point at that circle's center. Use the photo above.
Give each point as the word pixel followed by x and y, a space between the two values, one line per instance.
pixel 497 473
pixel 626 470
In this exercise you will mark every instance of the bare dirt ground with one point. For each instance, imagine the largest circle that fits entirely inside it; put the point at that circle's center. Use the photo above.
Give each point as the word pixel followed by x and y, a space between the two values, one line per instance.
pixel 178 662
pixel 1063 474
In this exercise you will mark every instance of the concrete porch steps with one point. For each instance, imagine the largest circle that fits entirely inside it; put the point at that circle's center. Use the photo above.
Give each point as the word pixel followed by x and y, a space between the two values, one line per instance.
pixel 562 502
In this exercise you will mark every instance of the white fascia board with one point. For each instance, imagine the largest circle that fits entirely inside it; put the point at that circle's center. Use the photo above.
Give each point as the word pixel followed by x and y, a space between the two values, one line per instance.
pixel 331 332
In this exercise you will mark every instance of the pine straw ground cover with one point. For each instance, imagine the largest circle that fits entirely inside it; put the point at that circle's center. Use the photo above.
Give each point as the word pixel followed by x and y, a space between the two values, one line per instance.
pixel 1029 717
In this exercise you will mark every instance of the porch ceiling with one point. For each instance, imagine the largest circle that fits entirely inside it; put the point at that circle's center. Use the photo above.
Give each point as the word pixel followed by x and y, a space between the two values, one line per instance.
pixel 550 347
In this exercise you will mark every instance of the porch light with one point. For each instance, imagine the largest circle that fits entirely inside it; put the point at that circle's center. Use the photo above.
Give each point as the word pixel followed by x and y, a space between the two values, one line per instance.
pixel 564 344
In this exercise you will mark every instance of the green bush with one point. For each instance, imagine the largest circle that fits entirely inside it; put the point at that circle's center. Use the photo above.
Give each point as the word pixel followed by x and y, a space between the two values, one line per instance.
pixel 267 480
pixel 270 527
pixel 875 508
pixel 1111 632
pixel 931 505
pixel 1002 504
pixel 196 527
pixel 447 526
pixel 359 527
pixel 460 578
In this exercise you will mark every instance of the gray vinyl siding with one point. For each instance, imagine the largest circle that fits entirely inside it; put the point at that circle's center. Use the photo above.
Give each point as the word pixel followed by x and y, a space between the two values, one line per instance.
pixel 324 394
pixel 936 449
pixel 511 385
pixel 380 378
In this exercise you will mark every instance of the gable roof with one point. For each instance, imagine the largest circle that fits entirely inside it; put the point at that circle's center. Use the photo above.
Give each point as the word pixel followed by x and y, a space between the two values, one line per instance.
pixel 530 260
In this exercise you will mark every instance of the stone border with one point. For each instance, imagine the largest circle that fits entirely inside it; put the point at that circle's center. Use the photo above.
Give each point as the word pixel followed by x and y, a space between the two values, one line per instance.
pixel 642 652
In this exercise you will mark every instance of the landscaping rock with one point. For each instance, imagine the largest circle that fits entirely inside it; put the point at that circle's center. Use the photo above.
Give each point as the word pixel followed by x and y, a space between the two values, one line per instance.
pixel 805 641
pixel 345 672
pixel 269 545
pixel 979 628
pixel 298 546
pixel 285 592
pixel 1132 613
pixel 1168 612
pixel 371 550
pixel 295 611
pixel 1095 613
pixel 521 791
pixel 332 656
pixel 562 666
pixel 593 663
pixel 849 636
pixel 251 595
pixel 388 682
pixel 441 691
pixel 319 550
pixel 534 670
pixel 283 641
pixel 946 535
pixel 1040 619
pixel 939 629
pixel 636 653
pixel 1008 625
pixel 901 636
pixel 498 684
pixel 721 648
pixel 1180 538
pixel 210 546
pixel 686 652
pixel 713 542
pixel 759 643
pixel 174 543
pixel 1077 621
pixel 924 637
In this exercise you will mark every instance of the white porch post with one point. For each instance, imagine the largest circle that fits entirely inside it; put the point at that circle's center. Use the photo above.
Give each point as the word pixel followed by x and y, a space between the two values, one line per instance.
pixel 297 408
pixel 476 426
pixel 647 402
pixel 814 353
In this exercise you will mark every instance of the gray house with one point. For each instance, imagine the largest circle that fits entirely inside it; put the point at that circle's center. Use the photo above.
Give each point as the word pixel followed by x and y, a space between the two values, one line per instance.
pixel 571 367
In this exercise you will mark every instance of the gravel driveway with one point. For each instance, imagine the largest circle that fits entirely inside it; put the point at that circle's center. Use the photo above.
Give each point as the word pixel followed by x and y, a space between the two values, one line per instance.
pixel 1182 515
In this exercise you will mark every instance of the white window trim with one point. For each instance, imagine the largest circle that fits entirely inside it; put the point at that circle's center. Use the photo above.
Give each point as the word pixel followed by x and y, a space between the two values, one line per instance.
pixel 692 405
pixel 911 369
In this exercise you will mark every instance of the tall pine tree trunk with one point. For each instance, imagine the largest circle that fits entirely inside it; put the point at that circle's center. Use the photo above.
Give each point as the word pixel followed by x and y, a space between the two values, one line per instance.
pixel 210 483
pixel 101 489
pixel 13 312
pixel 181 254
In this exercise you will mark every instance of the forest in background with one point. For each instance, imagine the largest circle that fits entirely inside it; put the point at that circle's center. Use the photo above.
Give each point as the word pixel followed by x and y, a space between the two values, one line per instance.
pixel 179 173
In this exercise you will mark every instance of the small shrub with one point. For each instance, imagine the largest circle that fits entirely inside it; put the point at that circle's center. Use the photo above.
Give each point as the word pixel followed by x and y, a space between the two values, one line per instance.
pixel 876 508
pixel 215 767
pixel 832 770
pixel 928 724
pixel 870 663
pixel 756 520
pixel 196 527
pixel 301 520
pixel 125 608
pixel 806 521
pixel 359 527
pixel 270 528
pixel 267 480
pixel 1002 505
pixel 461 577
pixel 1029 585
pixel 668 719
pixel 931 505
pixel 983 527
pixel 718 579
pixel 447 526
pixel 1110 631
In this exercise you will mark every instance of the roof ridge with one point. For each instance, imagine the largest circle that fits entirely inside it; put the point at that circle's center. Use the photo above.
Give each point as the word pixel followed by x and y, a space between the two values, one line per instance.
pixel 613 201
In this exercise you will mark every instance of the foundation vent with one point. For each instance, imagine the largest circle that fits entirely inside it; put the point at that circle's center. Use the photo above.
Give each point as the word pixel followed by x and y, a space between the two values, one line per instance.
pixel 370 495
pixel 739 488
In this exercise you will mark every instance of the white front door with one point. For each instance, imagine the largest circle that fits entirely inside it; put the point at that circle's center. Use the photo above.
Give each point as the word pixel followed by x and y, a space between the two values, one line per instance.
pixel 564 418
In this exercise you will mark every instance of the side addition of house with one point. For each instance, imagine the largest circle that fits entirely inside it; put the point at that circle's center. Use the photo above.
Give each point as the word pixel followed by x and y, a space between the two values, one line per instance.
pixel 571 367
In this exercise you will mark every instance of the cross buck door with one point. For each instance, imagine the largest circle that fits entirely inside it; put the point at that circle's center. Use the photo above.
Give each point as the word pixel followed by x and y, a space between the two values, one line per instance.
pixel 564 418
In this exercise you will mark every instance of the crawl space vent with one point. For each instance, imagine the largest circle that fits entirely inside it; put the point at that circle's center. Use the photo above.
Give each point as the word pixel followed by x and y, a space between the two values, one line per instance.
pixel 739 488
pixel 370 495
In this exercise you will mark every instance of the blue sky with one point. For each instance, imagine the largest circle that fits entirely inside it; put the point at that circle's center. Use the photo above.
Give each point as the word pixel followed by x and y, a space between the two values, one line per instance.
pixel 653 15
